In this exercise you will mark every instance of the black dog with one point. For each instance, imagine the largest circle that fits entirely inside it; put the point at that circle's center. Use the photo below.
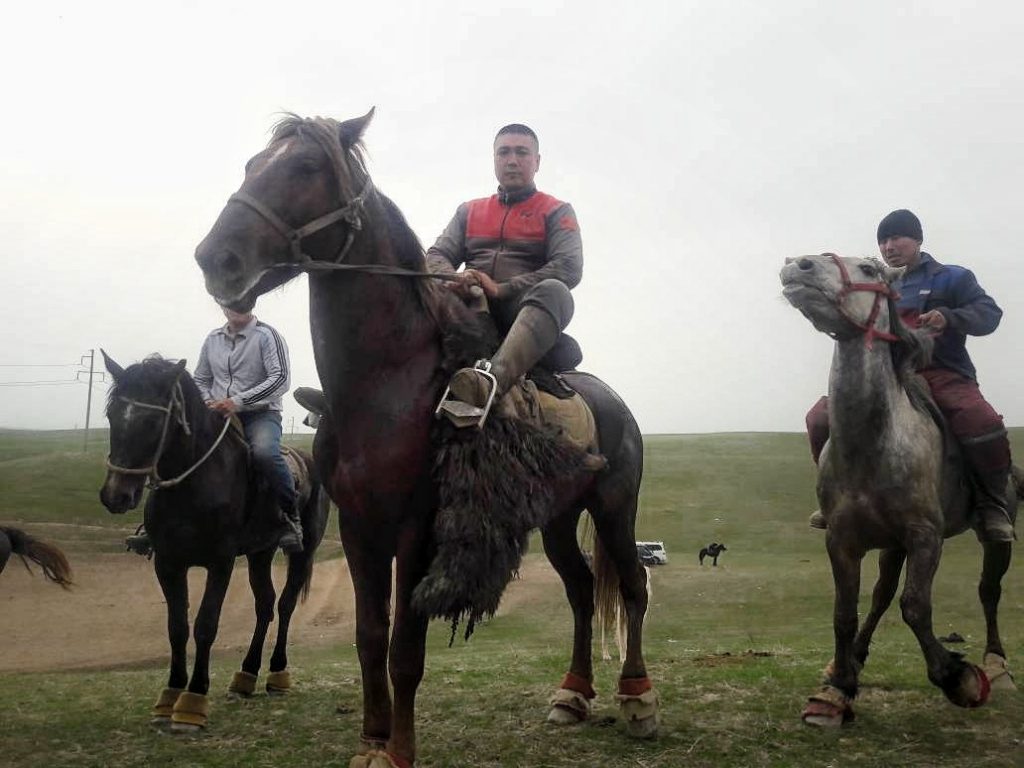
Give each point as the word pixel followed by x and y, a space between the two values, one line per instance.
pixel 712 550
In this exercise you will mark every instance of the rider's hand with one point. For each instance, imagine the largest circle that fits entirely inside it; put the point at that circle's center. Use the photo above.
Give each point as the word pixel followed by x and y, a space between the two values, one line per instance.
pixel 226 406
pixel 471 277
pixel 933 320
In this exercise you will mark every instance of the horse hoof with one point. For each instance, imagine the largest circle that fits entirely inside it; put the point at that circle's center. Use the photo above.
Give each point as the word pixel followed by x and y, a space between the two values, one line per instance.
pixel 565 716
pixel 644 728
pixel 161 722
pixel 568 707
pixel 638 704
pixel 378 758
pixel 998 672
pixel 279 683
pixel 243 684
pixel 185 729
pixel 828 708
pixel 973 689
pixel 190 712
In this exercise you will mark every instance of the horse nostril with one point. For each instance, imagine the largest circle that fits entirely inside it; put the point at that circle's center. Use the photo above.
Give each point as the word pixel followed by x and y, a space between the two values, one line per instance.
pixel 805 263
pixel 230 264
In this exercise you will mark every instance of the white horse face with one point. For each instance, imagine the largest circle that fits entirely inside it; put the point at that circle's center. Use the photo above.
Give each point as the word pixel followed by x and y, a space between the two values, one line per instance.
pixel 841 295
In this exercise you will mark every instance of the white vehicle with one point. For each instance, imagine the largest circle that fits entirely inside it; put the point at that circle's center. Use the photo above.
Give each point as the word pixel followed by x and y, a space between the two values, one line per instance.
pixel 652 552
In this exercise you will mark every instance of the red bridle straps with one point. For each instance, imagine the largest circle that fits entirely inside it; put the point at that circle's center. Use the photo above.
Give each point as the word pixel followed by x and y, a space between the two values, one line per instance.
pixel 881 291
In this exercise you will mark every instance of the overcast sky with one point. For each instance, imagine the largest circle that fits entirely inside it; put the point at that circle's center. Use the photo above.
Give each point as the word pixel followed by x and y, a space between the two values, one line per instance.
pixel 701 143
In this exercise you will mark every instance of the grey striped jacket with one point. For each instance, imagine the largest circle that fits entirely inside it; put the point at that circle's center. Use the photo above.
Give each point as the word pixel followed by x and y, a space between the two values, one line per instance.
pixel 251 367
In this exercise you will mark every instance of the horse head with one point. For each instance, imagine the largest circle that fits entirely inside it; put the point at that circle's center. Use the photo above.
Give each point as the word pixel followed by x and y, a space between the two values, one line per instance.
pixel 301 201
pixel 144 407
pixel 843 297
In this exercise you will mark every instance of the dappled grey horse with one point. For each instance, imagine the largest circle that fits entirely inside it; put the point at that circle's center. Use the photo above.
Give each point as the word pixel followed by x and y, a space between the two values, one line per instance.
pixel 889 479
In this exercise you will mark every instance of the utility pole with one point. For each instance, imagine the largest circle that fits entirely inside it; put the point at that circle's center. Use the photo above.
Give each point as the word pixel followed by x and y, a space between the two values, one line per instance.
pixel 88 398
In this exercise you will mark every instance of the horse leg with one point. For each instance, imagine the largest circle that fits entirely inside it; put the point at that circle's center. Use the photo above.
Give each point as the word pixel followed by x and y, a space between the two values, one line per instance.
pixel 614 519
pixel 964 684
pixel 890 565
pixel 408 641
pixel 262 586
pixel 173 579
pixel 370 569
pixel 830 706
pixel 299 570
pixel 192 707
pixel 995 564
pixel 571 702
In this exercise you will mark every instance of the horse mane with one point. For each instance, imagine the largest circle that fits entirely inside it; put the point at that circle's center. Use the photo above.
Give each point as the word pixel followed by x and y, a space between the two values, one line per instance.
pixel 149 379
pixel 911 352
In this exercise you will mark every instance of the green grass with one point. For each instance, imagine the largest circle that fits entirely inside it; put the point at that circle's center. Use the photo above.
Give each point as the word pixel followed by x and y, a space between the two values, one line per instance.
pixel 733 651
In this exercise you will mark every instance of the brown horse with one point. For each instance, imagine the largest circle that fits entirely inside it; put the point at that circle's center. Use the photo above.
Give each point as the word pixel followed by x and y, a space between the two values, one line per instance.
pixel 46 556
pixel 888 479
pixel 307 204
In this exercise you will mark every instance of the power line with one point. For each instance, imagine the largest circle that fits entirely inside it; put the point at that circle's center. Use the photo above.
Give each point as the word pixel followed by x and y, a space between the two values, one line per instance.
pixel 39 365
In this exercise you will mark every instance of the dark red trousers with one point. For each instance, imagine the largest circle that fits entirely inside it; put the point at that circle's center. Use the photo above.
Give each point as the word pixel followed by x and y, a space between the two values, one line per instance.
pixel 974 422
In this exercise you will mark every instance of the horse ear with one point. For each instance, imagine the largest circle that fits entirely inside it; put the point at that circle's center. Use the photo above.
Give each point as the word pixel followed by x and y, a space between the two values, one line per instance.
pixel 116 371
pixel 181 364
pixel 351 131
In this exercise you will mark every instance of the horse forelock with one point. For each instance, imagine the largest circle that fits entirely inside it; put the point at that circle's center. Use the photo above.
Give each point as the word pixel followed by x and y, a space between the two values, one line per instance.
pixel 349 165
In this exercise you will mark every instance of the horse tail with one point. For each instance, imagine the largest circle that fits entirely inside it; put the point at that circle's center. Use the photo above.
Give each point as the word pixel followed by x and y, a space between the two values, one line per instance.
pixel 47 556
pixel 606 588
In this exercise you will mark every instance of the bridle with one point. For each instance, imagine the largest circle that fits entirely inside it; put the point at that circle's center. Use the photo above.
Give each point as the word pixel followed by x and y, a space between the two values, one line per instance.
pixel 350 214
pixel 175 405
pixel 881 290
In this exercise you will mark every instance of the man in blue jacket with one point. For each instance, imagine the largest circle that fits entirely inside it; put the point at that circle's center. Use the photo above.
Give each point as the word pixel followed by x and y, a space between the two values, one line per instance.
pixel 948 301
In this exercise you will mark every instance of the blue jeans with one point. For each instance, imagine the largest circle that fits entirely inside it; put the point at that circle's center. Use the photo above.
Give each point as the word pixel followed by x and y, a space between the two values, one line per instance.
pixel 263 432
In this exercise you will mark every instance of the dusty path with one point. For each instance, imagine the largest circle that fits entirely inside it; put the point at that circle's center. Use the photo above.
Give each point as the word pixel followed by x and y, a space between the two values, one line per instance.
pixel 116 616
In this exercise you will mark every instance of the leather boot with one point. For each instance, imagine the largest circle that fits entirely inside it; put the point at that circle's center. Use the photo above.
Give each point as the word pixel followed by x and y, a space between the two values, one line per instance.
pixel 532 334
pixel 989 459
pixel 990 504
pixel 291 541
pixel 139 543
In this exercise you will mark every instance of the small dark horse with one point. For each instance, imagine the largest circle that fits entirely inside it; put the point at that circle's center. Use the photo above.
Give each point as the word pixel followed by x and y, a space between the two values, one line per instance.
pixel 887 480
pixel 378 333
pixel 46 556
pixel 712 550
pixel 208 513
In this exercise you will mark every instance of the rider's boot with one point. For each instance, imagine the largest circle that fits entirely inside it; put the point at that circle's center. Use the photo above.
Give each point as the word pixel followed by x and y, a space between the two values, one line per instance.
pixel 532 334
pixel 989 458
pixel 291 541
pixel 991 505
pixel 139 543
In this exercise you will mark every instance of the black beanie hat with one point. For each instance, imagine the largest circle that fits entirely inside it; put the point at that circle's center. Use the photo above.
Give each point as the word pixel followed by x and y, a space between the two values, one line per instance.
pixel 901 223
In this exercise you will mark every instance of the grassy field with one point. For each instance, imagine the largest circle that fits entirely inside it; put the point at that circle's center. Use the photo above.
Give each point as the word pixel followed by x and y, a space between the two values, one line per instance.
pixel 733 650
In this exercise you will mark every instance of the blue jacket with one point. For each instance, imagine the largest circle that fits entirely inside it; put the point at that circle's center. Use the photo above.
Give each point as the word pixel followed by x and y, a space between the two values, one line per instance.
pixel 954 292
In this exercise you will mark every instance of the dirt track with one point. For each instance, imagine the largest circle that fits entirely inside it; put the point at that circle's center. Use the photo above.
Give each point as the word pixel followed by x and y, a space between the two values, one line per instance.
pixel 116 616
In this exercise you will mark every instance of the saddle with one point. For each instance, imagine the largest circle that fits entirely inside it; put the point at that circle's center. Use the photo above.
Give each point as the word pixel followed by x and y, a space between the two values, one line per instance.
pixel 565 415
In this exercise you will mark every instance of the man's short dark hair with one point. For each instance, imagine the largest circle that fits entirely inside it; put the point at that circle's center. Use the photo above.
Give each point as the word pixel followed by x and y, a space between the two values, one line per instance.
pixel 519 128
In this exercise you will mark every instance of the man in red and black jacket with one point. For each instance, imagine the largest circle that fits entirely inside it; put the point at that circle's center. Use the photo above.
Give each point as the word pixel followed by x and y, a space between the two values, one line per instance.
pixel 522 247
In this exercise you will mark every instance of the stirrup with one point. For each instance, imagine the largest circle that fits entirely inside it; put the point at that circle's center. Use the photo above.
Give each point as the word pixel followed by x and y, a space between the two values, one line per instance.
pixel 463 414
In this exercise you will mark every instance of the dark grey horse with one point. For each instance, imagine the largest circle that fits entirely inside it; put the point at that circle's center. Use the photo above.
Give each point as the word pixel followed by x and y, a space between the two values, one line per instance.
pixel 888 479
pixel 204 511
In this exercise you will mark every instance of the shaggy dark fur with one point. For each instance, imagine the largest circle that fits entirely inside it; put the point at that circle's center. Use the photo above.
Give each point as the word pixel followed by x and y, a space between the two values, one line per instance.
pixel 495 485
